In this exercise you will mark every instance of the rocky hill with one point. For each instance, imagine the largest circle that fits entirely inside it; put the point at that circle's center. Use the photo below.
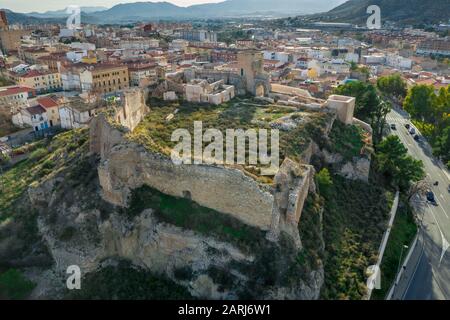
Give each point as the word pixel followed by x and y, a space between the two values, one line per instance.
pixel 55 211
pixel 400 11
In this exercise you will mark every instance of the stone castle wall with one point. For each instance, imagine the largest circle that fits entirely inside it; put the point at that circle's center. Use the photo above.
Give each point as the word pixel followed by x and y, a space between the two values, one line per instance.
pixel 126 166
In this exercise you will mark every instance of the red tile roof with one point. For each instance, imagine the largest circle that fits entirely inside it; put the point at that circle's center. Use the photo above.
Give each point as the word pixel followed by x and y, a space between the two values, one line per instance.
pixel 47 102
pixel 35 73
pixel 36 110
pixel 14 90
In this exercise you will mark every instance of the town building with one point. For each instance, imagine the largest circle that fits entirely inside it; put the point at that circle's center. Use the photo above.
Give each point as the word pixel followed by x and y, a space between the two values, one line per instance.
pixel 434 47
pixel 104 78
pixel 13 98
pixel 199 35
pixel 42 81
pixel 51 107
pixel 76 113
pixel 34 117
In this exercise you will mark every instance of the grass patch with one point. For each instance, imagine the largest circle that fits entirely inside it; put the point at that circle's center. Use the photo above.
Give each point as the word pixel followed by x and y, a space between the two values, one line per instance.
pixel 402 234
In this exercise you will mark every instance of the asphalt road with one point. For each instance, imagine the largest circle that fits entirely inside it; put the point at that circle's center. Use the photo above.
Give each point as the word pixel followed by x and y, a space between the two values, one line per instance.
pixel 427 274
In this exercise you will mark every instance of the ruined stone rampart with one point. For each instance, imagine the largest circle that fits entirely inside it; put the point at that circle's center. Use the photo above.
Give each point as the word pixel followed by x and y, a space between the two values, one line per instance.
pixel 126 166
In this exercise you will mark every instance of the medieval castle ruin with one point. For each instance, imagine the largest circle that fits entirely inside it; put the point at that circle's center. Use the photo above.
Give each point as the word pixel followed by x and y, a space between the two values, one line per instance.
pixel 125 165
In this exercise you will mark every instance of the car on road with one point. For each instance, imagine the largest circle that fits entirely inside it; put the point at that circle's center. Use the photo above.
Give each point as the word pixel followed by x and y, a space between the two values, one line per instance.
pixel 412 131
pixel 416 137
pixel 407 126
pixel 448 189
pixel 393 126
pixel 431 198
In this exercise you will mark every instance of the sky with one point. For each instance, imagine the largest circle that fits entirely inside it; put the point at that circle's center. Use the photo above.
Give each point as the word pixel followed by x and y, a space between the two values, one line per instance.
pixel 52 5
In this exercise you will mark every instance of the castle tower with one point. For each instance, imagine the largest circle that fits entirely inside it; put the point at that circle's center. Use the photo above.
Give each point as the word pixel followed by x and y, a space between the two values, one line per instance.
pixel 251 68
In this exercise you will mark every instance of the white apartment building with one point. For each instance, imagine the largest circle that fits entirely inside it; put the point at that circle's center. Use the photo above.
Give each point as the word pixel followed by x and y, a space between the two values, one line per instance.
pixel 398 62
pixel 35 117
pixel 283 57
pixel 138 43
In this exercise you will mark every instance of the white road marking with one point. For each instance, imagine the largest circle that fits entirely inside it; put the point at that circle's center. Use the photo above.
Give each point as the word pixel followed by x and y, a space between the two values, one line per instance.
pixel 445 244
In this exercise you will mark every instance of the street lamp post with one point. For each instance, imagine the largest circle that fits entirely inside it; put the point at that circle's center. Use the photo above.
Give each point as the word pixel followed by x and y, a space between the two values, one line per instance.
pixel 398 270
pixel 401 256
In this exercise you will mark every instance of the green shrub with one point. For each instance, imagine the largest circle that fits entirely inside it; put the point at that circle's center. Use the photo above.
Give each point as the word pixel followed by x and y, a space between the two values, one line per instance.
pixel 187 214
pixel 346 140
pixel 48 164
pixel 38 154
pixel 324 180
pixel 354 220
pixel 14 285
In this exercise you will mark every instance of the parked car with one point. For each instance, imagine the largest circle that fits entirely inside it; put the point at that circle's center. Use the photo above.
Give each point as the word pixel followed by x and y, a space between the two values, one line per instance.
pixel 416 137
pixel 393 126
pixel 412 131
pixel 407 126
pixel 448 189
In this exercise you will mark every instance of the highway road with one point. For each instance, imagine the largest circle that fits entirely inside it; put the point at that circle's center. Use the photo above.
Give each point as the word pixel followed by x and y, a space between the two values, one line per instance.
pixel 427 274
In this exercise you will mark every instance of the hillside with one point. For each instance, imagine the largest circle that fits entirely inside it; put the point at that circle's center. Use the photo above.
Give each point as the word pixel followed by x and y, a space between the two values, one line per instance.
pixel 20 18
pixel 403 11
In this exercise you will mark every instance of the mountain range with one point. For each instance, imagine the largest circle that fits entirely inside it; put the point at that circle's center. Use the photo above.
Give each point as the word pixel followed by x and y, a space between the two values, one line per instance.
pixel 354 11
pixel 142 11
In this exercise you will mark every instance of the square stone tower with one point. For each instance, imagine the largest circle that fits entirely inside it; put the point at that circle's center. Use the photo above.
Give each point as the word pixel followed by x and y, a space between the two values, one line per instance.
pixel 251 68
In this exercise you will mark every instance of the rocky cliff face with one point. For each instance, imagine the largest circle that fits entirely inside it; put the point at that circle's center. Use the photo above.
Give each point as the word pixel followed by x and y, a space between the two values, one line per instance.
pixel 82 229
pixel 233 262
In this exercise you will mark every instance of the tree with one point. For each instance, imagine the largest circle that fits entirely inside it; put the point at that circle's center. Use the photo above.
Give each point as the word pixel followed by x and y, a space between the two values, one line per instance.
pixel 379 120
pixel 324 181
pixel 367 99
pixel 442 145
pixel 393 161
pixel 433 111
pixel 392 85
pixel 419 102
pixel 369 106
